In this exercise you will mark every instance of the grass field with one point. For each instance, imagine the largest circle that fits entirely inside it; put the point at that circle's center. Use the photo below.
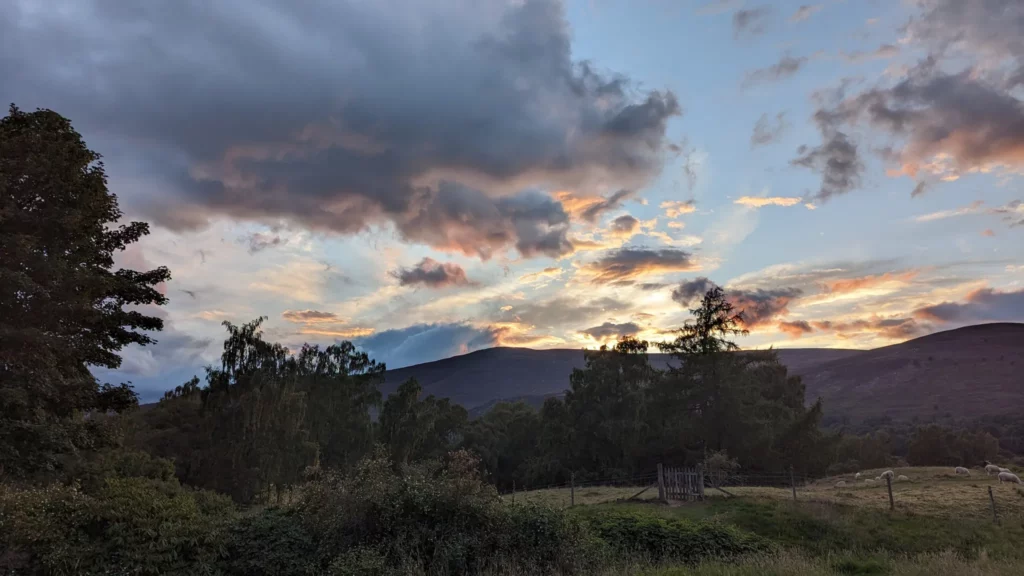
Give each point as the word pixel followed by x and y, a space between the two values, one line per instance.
pixel 929 491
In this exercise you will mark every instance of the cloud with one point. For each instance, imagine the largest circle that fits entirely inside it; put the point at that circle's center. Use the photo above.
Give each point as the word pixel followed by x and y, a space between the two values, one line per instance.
pixel 342 333
pixel 309 316
pixel 919 189
pixel 627 264
pixel 762 201
pixel 784 68
pixel 766 132
pixel 984 305
pixel 624 226
pixel 883 52
pixel 759 306
pixel 259 241
pixel 379 135
pixel 750 22
pixel 796 329
pixel 609 330
pixel 676 208
pixel 804 12
pixel 432 274
pixel 551 272
pixel 972 208
pixel 1012 213
pixel 561 312
pixel 426 342
pixel 988 233
pixel 594 211
pixel 895 328
pixel 690 291
pixel 836 159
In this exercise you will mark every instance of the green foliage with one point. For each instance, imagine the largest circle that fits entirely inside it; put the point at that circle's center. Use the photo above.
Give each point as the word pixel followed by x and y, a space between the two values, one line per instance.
pixel 61 302
pixel 934 445
pixel 417 429
pixel 433 517
pixel 131 525
pixel 658 539
pixel 272 541
pixel 506 439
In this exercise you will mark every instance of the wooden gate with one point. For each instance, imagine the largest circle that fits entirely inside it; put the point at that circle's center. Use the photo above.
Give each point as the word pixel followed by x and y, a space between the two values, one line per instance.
pixel 680 483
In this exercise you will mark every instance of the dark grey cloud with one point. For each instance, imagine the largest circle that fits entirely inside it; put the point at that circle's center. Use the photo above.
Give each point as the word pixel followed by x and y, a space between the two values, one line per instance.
pixel 433 274
pixel 561 312
pixel 919 189
pixel 784 68
pixel 804 12
pixel 837 158
pixel 891 328
pixel 1012 213
pixel 766 131
pixel 594 211
pixel 624 224
pixel 881 53
pixel 796 328
pixel 750 22
pixel 309 316
pixel 760 307
pixel 259 241
pixel 342 115
pixel 690 291
pixel 984 305
pixel 630 263
pixel 608 329
pixel 426 343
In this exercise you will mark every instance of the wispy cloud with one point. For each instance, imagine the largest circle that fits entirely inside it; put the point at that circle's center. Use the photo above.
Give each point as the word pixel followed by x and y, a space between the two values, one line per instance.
pixel 762 201
pixel 972 208
pixel 804 12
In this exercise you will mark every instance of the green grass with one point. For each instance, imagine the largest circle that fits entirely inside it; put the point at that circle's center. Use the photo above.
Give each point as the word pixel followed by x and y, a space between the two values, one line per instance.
pixel 944 564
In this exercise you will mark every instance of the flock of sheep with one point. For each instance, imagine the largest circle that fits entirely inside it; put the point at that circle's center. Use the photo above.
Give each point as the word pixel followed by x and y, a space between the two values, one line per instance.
pixel 1003 474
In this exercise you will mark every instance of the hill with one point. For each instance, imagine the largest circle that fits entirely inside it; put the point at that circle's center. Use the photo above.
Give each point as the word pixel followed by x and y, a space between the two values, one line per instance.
pixel 964 373
pixel 967 373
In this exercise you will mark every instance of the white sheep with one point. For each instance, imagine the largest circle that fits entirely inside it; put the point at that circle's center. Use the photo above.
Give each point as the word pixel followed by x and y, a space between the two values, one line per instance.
pixel 991 469
pixel 869 481
pixel 902 478
pixel 857 476
pixel 1006 470
pixel 841 484
pixel 1009 477
pixel 961 471
pixel 887 474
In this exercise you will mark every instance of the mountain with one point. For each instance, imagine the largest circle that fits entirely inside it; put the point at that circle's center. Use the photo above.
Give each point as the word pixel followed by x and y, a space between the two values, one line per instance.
pixel 967 372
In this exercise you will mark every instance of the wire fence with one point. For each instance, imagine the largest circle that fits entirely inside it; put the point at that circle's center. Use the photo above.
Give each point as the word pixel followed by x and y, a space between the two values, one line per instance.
pixel 926 491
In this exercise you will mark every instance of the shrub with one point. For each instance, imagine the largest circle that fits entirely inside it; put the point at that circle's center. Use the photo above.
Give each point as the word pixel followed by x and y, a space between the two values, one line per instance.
pixel 659 539
pixel 436 517
pixel 131 525
pixel 273 541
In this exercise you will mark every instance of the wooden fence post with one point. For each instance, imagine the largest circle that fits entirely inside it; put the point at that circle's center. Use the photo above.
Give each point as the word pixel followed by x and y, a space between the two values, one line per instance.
pixel 700 481
pixel 992 499
pixel 661 483
pixel 792 482
pixel 572 489
pixel 888 484
pixel 513 491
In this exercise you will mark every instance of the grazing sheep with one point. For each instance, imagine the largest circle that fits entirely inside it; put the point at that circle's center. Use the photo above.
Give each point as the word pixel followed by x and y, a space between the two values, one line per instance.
pixel 1009 477
pixel 857 476
pixel 961 471
pixel 991 469
pixel 841 484
pixel 902 478
pixel 1006 470
pixel 869 481
pixel 887 474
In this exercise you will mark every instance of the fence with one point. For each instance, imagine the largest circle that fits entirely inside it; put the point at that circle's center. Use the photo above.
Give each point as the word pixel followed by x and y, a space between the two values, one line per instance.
pixel 680 483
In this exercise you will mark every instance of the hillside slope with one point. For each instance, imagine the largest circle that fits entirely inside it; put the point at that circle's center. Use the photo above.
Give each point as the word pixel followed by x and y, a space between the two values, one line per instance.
pixel 968 372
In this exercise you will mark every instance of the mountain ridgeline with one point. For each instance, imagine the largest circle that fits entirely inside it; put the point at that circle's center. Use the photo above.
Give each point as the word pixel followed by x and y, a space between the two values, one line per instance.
pixel 967 373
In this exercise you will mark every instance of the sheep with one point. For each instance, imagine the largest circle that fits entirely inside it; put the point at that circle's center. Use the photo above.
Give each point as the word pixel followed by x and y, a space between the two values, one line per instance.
pixel 1009 477
pixel 961 471
pixel 991 469
pixel 869 481
pixel 887 474
pixel 902 478
pixel 857 476
pixel 1006 470
pixel 841 484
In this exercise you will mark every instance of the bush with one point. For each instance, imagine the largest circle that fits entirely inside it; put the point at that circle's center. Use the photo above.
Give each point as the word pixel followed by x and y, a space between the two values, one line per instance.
pixel 273 541
pixel 434 517
pixel 131 525
pixel 660 539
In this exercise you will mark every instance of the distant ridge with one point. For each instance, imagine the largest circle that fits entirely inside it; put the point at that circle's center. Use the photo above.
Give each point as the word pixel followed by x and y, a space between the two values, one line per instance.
pixel 966 372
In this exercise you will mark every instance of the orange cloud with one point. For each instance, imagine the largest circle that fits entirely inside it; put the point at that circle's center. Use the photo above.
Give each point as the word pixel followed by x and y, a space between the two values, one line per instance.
pixel 552 272
pixel 340 333
pixel 796 328
pixel 760 202
pixel 675 208
pixel 848 285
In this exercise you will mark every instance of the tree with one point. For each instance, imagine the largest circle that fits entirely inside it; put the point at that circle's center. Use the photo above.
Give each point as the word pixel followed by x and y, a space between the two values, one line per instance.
pixel 714 322
pixel 62 305
pixel 415 429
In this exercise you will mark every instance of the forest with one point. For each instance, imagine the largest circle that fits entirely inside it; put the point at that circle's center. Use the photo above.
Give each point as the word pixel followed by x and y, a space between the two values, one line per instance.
pixel 291 461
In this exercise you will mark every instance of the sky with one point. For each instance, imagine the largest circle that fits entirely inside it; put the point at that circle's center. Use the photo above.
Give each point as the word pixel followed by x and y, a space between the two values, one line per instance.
pixel 428 178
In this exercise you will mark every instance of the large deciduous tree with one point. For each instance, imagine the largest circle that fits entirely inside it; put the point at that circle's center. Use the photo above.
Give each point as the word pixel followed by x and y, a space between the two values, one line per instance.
pixel 63 306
